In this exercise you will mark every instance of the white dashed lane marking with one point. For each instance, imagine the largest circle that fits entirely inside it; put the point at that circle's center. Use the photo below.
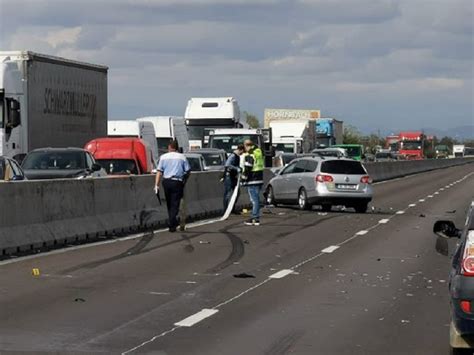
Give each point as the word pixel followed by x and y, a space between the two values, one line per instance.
pixel 330 249
pixel 281 274
pixel 196 318
pixel 384 221
pixel 362 232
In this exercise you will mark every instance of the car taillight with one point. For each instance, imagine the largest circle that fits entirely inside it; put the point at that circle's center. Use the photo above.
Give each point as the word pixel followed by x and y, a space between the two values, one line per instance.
pixel 466 306
pixel 468 257
pixel 324 178
pixel 366 180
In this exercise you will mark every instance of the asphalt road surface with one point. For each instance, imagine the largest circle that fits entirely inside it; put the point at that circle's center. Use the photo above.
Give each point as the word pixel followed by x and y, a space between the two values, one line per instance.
pixel 316 283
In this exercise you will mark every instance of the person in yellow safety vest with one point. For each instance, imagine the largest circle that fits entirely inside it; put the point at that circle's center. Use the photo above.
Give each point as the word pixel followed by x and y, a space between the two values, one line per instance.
pixel 252 164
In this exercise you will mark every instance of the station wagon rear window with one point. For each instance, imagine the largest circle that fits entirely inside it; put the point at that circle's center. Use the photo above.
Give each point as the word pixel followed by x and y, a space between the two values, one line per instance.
pixel 342 167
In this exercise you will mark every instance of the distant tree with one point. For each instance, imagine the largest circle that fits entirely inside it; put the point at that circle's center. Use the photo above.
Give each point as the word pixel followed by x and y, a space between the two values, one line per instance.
pixel 251 120
pixel 351 135
pixel 469 142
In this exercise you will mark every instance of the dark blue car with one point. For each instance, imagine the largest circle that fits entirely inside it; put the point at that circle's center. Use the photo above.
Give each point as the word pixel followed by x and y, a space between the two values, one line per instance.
pixel 461 282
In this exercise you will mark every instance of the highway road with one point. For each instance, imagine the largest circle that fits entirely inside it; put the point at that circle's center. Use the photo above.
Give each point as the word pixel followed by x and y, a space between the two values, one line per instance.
pixel 316 283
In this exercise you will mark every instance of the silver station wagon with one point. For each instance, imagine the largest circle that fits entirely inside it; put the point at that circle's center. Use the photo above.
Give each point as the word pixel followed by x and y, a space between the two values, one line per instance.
pixel 322 181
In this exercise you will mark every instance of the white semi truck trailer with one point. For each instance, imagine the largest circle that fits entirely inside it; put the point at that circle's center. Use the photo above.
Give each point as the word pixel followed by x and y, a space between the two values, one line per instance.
pixel 48 101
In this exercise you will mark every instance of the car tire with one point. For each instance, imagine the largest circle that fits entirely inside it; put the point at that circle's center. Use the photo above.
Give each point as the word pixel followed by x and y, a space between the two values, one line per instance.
pixel 361 207
pixel 303 200
pixel 326 207
pixel 271 196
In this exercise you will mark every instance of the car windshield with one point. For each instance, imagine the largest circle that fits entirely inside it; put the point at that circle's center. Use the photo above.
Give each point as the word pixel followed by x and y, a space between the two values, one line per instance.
pixel 287 158
pixel 119 166
pixel 342 167
pixel 284 147
pixel 353 151
pixel 230 142
pixel 194 163
pixel 196 132
pixel 55 161
pixel 213 159
pixel 328 153
pixel 163 144
pixel 407 145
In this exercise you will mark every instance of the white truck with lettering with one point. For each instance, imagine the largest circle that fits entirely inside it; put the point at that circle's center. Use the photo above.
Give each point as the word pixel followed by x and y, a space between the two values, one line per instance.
pixel 48 101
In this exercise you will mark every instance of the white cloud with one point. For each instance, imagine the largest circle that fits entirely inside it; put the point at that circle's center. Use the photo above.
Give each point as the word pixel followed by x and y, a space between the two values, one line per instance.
pixel 63 36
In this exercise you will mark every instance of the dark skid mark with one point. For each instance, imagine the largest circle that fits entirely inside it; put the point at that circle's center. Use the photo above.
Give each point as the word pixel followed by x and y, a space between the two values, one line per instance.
pixel 237 252
pixel 284 344
pixel 136 249
pixel 300 228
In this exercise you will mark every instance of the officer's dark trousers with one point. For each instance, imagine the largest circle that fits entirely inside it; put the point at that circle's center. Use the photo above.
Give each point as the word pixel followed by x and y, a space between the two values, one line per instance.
pixel 173 193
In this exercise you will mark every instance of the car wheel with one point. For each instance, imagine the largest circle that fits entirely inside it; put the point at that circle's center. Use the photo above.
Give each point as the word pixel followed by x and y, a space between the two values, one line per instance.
pixel 270 196
pixel 303 200
pixel 361 207
pixel 326 207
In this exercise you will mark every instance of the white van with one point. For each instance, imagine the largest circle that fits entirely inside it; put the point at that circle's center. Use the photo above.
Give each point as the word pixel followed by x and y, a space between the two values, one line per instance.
pixel 129 128
pixel 168 128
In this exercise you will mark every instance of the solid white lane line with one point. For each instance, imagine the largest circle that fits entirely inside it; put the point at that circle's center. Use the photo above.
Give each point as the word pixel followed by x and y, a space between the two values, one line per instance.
pixel 150 341
pixel 384 221
pixel 412 205
pixel 364 232
pixel 400 212
pixel 281 274
pixel 196 318
pixel 330 249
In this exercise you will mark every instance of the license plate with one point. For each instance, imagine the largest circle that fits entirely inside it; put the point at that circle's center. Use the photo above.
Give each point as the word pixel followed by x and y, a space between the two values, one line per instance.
pixel 346 187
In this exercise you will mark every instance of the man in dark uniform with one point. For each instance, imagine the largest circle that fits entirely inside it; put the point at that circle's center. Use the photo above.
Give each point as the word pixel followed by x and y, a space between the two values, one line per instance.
pixel 232 168
pixel 173 170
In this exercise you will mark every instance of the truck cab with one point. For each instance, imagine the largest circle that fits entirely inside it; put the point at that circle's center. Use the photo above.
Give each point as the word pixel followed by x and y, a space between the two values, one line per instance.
pixel 122 156
pixel 411 145
pixel 229 139
pixel 203 115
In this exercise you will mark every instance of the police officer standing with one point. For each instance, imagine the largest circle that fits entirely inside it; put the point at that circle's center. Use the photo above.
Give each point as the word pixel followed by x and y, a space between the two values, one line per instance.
pixel 232 168
pixel 253 165
pixel 173 171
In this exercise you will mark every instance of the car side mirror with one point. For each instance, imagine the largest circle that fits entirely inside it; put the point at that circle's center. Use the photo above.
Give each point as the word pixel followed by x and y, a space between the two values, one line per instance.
pixel 96 167
pixel 446 230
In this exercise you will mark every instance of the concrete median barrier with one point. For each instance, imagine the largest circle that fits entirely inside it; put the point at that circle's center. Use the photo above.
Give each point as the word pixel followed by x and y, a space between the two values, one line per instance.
pixel 39 214
pixel 392 170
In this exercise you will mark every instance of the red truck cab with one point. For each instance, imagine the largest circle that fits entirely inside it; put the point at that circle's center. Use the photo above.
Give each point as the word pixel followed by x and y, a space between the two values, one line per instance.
pixel 122 156
pixel 411 145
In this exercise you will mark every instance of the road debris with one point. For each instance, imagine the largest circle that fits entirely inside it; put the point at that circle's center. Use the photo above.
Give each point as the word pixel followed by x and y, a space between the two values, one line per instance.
pixel 244 275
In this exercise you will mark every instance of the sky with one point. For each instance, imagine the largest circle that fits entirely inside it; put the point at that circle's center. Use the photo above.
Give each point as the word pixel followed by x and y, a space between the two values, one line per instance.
pixel 375 64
